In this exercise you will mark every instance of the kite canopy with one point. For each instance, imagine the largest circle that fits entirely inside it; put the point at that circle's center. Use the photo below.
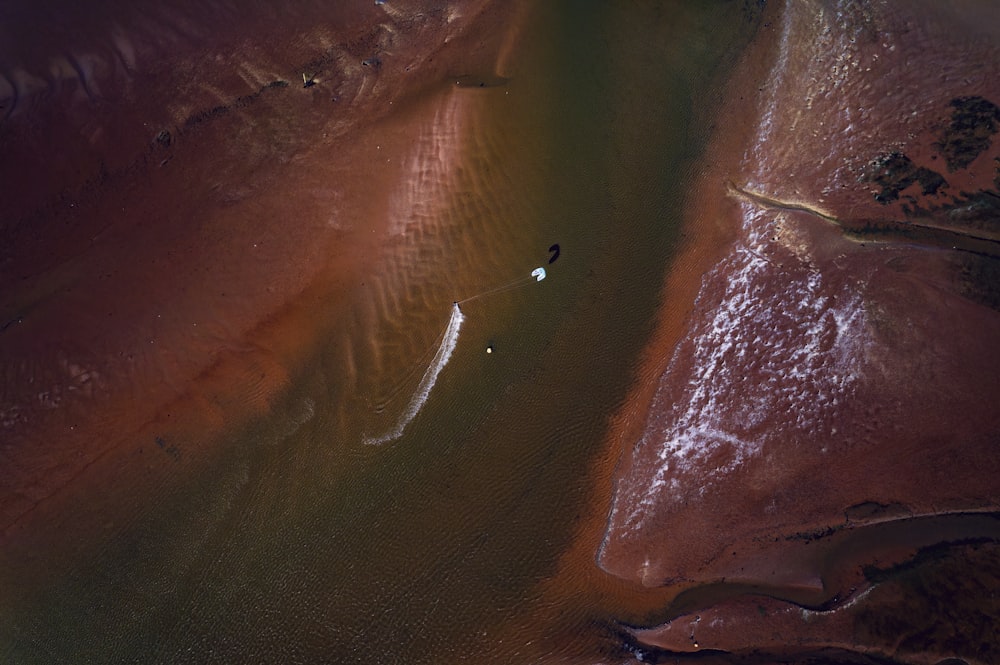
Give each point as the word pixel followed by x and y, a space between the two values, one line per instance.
pixel 538 274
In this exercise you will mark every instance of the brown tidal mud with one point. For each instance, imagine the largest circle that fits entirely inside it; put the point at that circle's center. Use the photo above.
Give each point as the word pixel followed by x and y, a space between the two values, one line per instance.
pixel 827 410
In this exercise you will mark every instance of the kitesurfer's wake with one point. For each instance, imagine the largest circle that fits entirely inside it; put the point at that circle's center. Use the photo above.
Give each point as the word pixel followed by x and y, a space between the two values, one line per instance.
pixel 423 391
pixel 448 342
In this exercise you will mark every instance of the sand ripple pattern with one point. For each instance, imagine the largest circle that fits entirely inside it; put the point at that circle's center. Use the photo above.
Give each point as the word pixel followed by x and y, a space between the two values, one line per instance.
pixel 454 232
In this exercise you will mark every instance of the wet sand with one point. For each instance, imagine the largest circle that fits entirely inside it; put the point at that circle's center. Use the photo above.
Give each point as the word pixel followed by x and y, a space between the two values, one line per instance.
pixel 834 379
pixel 190 166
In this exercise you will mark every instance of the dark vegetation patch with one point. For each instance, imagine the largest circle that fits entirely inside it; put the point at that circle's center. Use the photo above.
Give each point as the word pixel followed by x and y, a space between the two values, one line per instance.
pixel 894 172
pixel 973 123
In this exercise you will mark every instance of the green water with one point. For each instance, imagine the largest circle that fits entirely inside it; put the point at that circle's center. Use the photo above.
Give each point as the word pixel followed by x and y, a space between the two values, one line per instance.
pixel 299 544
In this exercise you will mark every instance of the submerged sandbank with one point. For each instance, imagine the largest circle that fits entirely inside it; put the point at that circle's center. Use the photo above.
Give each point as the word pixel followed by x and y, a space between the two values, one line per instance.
pixel 190 205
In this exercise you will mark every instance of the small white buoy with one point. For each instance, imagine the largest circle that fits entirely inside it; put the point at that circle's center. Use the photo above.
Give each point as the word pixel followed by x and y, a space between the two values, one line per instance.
pixel 489 349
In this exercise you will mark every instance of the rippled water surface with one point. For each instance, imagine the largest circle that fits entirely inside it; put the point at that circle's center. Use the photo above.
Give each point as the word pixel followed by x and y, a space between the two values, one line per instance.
pixel 313 533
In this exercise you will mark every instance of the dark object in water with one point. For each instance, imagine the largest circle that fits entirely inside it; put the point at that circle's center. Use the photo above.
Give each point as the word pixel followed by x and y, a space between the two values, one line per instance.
pixel 480 81
pixel 555 253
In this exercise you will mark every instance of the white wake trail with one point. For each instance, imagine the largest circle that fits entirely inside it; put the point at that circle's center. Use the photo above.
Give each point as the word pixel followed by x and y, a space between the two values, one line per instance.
pixel 427 382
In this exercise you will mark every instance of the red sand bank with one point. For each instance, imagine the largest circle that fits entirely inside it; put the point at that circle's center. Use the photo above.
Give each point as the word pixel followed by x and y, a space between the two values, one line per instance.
pixel 830 409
